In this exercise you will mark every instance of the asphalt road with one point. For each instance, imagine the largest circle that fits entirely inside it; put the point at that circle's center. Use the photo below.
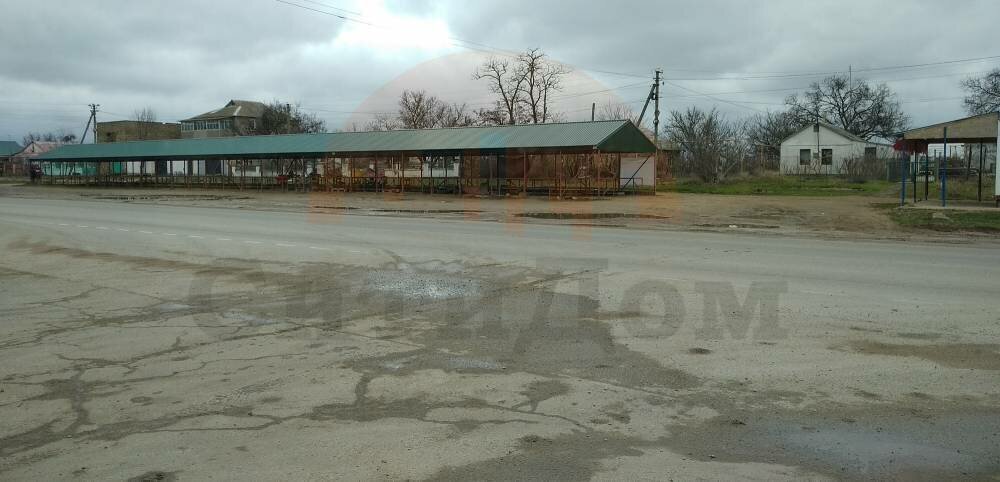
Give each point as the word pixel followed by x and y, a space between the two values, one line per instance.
pixel 147 340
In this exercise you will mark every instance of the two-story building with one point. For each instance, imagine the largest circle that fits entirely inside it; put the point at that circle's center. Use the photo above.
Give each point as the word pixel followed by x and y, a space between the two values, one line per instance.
pixel 236 118
pixel 132 130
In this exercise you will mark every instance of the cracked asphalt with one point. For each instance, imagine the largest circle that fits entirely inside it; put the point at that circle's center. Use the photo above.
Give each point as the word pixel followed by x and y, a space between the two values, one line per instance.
pixel 155 342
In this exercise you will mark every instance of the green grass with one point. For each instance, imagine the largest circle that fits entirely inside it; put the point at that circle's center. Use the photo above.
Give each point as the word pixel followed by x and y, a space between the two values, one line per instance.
pixel 780 186
pixel 947 220
pixel 958 189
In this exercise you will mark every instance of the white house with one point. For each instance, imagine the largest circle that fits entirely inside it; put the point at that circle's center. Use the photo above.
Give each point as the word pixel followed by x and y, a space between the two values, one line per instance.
pixel 821 148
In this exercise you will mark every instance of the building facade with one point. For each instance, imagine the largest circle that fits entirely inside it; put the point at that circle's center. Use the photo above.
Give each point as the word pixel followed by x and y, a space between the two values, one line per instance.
pixel 825 149
pixel 124 131
pixel 236 118
pixel 8 167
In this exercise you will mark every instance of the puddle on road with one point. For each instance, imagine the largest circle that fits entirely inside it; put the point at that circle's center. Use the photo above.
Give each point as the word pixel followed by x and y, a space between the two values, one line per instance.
pixel 410 284
pixel 964 355
pixel 167 197
pixel 396 211
pixel 884 444
pixel 557 215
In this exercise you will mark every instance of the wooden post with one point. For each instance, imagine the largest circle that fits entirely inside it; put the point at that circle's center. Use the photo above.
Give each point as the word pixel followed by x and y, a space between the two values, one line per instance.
pixel 559 165
pixel 597 165
pixel 524 172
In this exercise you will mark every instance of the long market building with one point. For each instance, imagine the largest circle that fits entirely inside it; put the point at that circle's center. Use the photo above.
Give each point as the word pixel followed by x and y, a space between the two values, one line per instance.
pixel 562 158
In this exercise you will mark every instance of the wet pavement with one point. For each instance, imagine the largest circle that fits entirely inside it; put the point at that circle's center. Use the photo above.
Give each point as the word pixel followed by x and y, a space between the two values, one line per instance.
pixel 190 343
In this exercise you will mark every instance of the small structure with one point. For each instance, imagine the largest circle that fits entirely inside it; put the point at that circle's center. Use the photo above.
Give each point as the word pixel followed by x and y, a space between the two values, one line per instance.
pixel 8 149
pixel 553 159
pixel 980 129
pixel 821 148
pixel 31 152
pixel 236 118
pixel 130 130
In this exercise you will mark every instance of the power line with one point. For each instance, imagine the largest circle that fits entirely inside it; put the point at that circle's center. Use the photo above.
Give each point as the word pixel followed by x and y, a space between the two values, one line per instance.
pixel 717 99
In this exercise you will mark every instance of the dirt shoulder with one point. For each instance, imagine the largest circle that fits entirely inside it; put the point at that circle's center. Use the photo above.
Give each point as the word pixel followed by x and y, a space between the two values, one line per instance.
pixel 854 217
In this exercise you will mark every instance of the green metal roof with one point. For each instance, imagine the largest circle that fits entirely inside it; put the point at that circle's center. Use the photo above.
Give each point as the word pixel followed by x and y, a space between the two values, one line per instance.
pixel 9 148
pixel 608 136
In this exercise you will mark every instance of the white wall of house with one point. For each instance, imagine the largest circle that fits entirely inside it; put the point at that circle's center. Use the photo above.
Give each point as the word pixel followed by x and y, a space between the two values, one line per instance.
pixel 642 167
pixel 826 144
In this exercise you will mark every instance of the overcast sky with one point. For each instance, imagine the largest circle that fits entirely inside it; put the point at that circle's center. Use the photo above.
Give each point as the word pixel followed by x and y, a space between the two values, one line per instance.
pixel 185 57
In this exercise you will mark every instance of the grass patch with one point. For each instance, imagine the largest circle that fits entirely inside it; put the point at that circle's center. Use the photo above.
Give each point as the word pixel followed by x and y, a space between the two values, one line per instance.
pixel 780 186
pixel 945 220
pixel 959 189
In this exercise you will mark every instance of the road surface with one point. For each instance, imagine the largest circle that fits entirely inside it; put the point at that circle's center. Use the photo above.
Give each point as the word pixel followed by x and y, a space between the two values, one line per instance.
pixel 193 342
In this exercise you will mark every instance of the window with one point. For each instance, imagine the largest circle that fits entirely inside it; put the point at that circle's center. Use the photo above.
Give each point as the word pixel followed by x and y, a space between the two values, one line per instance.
pixel 805 157
pixel 826 157
pixel 870 153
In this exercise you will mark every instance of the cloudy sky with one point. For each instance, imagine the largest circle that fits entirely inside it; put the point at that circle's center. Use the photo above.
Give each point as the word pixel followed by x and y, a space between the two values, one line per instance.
pixel 185 57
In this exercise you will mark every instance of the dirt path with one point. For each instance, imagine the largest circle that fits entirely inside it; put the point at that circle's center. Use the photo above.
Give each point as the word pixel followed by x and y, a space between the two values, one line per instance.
pixel 836 216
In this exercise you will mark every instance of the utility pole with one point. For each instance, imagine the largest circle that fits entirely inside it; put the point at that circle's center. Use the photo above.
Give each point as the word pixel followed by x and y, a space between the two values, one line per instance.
pixel 91 121
pixel 656 108
pixel 593 110
pixel 654 95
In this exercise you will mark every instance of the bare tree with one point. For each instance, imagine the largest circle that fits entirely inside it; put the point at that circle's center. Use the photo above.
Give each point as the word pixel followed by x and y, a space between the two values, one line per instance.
pixel 284 118
pixel 506 79
pixel 61 136
pixel 614 111
pixel 143 119
pixel 418 110
pixel 490 116
pixel 524 86
pixel 455 115
pixel 711 145
pixel 769 129
pixel 382 122
pixel 982 94
pixel 541 79
pixel 863 109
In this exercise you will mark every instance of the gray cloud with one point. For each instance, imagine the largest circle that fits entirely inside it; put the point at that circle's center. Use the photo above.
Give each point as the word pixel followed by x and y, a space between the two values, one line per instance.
pixel 187 56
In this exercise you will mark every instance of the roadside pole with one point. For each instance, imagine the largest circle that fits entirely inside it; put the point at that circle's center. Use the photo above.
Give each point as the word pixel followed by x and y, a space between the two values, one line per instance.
pixel 943 172
pixel 927 174
pixel 979 189
pixel 904 174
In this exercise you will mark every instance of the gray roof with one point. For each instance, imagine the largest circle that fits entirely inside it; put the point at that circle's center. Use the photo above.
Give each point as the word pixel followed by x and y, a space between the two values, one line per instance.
pixel 839 130
pixel 843 132
pixel 9 148
pixel 608 136
pixel 234 108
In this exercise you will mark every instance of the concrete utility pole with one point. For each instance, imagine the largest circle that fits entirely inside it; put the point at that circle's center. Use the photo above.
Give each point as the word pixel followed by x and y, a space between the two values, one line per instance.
pixel 656 108
pixel 654 95
pixel 91 121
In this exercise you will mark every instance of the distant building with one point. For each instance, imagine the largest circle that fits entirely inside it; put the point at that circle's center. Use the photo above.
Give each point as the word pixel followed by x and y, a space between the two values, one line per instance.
pixel 130 130
pixel 37 148
pixel 238 117
pixel 7 165
pixel 821 148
